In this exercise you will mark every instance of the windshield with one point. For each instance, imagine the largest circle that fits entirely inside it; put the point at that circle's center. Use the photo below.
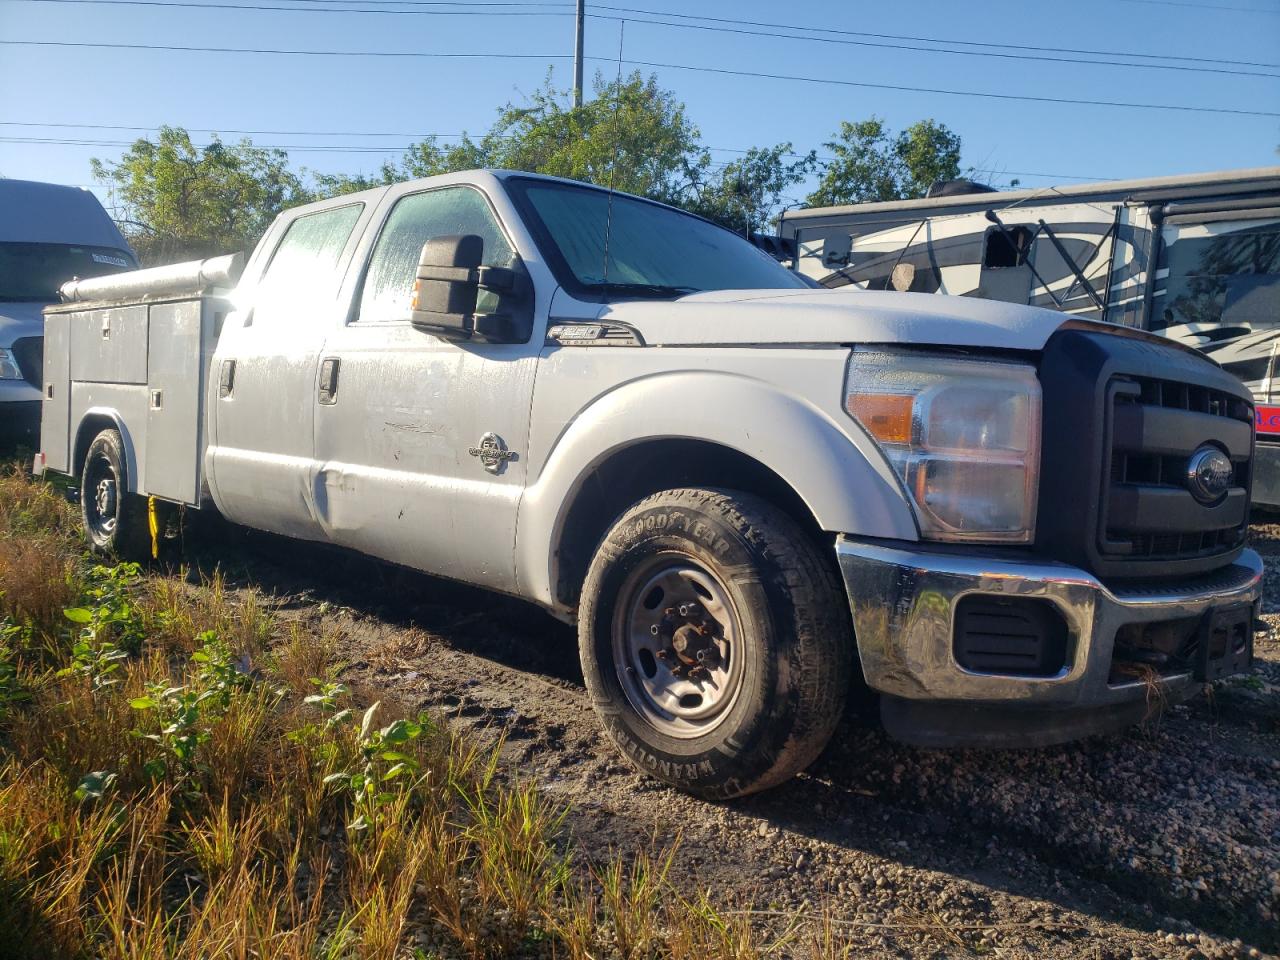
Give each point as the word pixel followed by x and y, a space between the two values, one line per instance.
pixel 35 271
pixel 653 251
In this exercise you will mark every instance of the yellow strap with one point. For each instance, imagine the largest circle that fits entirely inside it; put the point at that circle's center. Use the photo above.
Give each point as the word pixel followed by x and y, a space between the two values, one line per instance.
pixel 153 524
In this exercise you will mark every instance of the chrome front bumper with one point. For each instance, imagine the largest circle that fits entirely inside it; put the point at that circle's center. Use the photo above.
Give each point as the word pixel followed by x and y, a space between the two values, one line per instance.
pixel 903 602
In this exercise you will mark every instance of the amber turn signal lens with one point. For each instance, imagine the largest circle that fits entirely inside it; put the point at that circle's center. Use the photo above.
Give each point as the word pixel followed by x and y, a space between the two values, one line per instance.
pixel 887 416
pixel 417 289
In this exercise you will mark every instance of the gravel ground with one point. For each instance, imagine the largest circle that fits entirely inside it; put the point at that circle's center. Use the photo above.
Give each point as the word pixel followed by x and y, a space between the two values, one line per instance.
pixel 1162 841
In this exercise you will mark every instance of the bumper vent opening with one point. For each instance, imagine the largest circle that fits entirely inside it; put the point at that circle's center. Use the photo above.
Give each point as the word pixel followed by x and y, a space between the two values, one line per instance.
pixel 1015 637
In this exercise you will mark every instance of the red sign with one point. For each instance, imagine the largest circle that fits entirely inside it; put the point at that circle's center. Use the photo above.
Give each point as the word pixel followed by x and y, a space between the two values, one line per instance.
pixel 1268 420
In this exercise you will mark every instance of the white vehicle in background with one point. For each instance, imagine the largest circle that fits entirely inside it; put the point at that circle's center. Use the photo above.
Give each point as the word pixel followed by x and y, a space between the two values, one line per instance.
pixel 1214 240
pixel 747 492
pixel 49 234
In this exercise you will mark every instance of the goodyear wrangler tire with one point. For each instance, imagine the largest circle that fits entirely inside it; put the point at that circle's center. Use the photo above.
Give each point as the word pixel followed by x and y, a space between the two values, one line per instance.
pixel 115 521
pixel 715 642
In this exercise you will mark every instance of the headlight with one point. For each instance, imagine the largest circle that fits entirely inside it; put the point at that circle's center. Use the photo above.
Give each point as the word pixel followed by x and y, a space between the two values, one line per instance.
pixel 964 436
pixel 9 366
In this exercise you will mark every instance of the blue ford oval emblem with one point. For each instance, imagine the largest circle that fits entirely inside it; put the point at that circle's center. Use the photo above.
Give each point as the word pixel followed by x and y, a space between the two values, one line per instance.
pixel 1209 474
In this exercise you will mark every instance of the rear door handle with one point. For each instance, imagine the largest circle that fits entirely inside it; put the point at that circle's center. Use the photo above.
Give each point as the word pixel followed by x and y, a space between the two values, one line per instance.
pixel 329 380
pixel 226 379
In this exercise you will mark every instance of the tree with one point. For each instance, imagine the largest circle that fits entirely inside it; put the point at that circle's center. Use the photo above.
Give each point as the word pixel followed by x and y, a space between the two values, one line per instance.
pixel 633 136
pixel 184 202
pixel 747 192
pixel 870 163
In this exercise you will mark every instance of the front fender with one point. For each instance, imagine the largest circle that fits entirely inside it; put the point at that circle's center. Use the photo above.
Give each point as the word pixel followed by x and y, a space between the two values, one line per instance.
pixel 835 469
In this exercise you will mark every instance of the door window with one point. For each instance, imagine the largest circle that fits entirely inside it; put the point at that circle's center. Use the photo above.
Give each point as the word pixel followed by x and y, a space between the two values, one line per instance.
pixel 415 219
pixel 302 273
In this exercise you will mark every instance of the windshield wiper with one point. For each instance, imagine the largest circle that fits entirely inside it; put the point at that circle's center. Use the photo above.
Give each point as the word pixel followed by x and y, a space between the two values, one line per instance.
pixel 642 289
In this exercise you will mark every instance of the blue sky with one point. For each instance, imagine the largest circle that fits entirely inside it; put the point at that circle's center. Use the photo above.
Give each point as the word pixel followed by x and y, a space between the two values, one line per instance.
pixel 323 106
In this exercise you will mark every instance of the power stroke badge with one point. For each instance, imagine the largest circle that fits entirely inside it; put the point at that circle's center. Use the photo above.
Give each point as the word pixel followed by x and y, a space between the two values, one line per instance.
pixel 493 453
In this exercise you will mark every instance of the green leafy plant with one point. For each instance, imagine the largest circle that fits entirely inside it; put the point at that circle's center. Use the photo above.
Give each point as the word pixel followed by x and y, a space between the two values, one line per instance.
pixel 329 698
pixel 188 711
pixel 387 757
pixel 92 656
pixel 12 689
pixel 110 626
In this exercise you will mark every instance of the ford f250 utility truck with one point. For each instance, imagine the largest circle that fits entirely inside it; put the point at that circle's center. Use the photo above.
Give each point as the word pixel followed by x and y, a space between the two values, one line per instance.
pixel 756 498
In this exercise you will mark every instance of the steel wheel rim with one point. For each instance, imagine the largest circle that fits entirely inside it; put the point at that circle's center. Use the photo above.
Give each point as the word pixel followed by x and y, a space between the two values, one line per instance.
pixel 101 496
pixel 677 698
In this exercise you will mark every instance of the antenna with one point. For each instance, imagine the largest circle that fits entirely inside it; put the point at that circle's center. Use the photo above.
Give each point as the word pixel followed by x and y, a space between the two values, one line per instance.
pixel 613 165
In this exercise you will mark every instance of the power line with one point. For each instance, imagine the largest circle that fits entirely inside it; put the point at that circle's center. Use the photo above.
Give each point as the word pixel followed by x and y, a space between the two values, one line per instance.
pixel 723 71
pixel 298 147
pixel 1184 68
pixel 1206 6
pixel 299 133
pixel 913 39
pixel 952 93
pixel 357 148
pixel 189 4
pixel 831 30
pixel 714 25
pixel 416 54
pixel 219 130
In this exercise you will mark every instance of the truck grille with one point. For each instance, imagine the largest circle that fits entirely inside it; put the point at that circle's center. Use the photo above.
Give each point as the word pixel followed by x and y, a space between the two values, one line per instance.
pixel 29 352
pixel 1157 425
pixel 1124 416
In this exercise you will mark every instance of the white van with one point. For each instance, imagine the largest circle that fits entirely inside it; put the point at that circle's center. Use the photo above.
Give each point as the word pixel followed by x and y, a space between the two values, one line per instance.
pixel 49 234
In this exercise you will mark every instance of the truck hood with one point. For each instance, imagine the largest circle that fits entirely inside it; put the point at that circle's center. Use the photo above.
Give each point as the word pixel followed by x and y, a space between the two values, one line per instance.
pixel 20 319
pixel 752 317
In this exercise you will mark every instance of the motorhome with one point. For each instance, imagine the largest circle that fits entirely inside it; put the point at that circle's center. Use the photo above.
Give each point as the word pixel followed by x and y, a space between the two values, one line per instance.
pixel 1195 258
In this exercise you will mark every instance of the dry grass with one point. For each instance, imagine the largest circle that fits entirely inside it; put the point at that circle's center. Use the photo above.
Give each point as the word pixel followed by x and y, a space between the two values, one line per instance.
pixel 181 777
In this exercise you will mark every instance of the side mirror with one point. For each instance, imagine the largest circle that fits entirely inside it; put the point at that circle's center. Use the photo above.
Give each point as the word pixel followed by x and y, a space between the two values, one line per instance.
pixel 447 290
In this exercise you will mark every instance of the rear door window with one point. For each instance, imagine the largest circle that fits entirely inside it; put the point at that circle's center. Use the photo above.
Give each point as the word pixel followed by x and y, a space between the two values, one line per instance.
pixel 302 274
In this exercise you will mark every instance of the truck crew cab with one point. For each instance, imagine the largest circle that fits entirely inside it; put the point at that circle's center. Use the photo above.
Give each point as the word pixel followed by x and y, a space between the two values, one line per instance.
pixel 754 497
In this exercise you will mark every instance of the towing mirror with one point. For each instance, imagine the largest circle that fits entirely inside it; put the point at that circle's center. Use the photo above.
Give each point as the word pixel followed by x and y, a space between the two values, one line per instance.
pixel 447 293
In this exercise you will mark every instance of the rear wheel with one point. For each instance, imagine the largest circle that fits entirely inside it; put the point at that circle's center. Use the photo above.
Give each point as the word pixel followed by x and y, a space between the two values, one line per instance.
pixel 115 521
pixel 714 642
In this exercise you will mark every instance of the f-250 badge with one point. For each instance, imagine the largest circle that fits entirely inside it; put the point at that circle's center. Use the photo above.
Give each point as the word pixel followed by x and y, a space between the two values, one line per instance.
pixel 493 453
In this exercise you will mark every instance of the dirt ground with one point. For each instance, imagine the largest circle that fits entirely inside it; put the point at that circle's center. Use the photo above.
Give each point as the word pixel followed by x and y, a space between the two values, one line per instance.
pixel 1163 841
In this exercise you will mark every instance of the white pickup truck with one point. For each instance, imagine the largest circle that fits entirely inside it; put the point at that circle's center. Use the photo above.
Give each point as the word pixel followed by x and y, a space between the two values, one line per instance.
pixel 756 498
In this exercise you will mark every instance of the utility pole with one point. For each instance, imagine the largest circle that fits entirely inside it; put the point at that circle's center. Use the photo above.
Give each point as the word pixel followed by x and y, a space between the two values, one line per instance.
pixel 577 55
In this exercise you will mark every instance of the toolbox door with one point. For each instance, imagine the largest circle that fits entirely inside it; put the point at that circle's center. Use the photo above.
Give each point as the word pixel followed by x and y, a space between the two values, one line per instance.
pixel 55 416
pixel 177 354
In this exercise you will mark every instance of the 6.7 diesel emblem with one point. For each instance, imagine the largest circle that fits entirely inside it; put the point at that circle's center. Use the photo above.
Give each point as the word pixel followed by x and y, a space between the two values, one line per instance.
pixel 493 453
pixel 1209 474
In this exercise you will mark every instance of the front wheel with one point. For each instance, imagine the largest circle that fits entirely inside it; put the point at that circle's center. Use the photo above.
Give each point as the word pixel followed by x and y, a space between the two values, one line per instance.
pixel 115 521
pixel 715 642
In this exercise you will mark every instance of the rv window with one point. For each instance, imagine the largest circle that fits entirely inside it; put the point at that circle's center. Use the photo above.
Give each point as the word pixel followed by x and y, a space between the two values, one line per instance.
pixel 1000 252
pixel 1217 273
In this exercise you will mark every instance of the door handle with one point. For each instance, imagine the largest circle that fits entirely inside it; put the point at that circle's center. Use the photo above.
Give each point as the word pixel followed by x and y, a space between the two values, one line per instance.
pixel 226 379
pixel 329 380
